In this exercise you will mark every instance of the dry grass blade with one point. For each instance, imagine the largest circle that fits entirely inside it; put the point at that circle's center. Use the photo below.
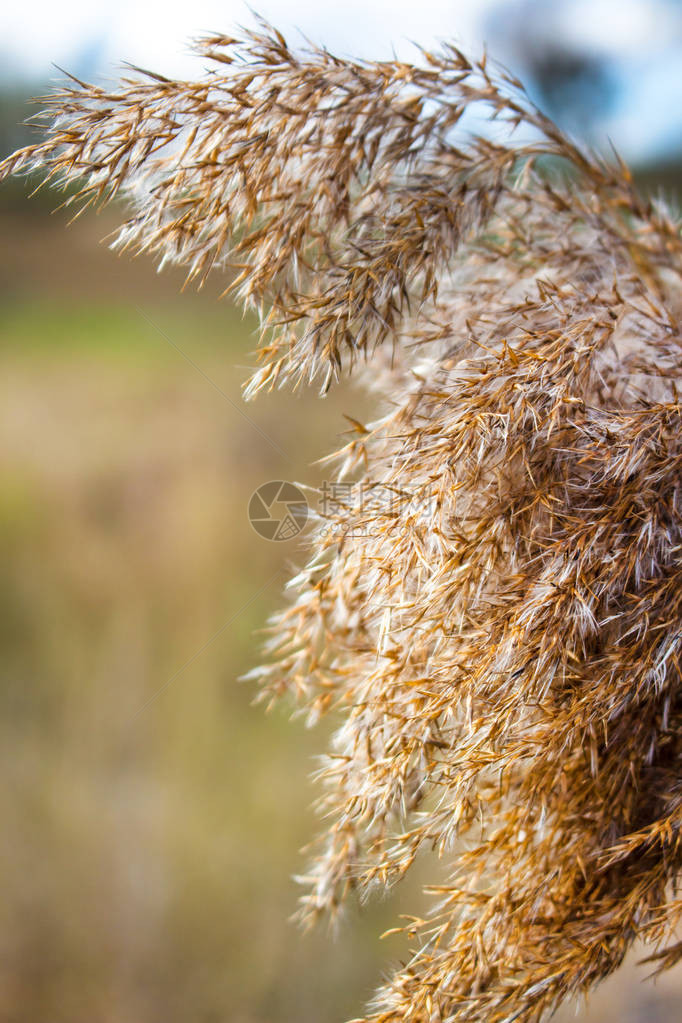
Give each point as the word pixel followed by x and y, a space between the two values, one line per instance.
pixel 497 613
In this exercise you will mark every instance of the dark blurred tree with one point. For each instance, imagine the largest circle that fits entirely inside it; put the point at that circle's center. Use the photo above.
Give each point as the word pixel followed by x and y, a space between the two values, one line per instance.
pixel 578 86
pixel 575 87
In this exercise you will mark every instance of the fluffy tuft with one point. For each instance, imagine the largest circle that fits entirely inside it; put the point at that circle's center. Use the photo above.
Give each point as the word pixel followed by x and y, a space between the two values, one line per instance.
pixel 495 613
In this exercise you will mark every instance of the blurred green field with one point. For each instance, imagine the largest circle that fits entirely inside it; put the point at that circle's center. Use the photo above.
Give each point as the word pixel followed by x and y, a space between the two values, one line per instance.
pixel 150 827
pixel 151 816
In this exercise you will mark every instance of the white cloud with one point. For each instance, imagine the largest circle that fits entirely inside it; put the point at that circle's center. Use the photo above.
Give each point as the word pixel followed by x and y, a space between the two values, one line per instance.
pixel 156 33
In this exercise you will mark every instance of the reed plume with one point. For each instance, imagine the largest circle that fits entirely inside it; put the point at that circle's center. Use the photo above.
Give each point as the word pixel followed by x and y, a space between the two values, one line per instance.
pixel 495 614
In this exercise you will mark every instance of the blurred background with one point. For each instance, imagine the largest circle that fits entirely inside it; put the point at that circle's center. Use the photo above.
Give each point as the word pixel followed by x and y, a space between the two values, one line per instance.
pixel 151 816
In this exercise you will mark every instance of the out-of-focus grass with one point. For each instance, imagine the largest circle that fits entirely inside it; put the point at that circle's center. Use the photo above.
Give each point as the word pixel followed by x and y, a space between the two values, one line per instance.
pixel 151 817
pixel 69 329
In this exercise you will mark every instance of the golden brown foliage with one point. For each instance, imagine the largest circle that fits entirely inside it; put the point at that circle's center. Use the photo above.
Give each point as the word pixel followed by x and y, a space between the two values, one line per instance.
pixel 497 612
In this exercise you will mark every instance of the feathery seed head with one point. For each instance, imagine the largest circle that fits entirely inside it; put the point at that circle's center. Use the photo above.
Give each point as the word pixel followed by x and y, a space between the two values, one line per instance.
pixel 505 651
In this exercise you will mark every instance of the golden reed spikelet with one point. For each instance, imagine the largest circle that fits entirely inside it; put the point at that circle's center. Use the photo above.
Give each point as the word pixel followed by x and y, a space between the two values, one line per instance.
pixel 497 613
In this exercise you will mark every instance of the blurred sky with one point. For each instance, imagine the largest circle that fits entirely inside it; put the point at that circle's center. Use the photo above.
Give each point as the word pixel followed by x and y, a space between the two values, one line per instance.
pixel 639 40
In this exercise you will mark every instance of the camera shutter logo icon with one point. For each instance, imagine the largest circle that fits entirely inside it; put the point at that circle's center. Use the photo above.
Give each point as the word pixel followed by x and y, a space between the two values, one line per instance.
pixel 278 510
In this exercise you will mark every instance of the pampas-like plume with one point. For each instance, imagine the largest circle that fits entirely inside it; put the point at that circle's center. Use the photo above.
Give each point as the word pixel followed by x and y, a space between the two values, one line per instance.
pixel 497 612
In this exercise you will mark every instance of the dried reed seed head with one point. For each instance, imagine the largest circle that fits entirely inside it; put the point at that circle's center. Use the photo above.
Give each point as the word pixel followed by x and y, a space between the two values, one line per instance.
pixel 503 648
